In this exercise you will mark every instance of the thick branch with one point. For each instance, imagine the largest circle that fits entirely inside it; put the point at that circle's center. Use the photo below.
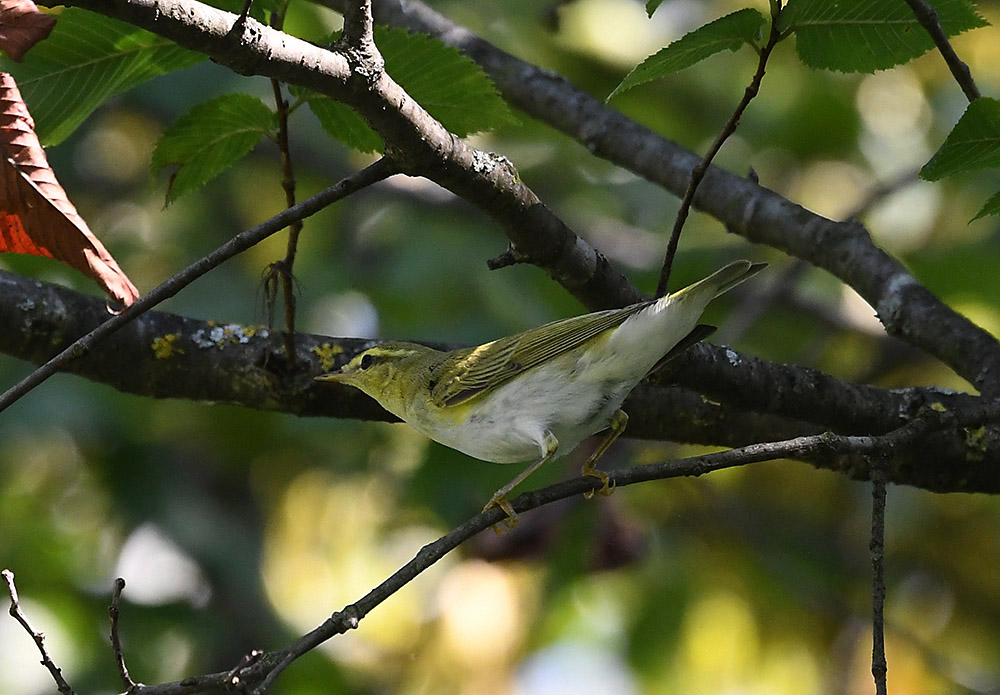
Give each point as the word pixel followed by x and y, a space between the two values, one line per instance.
pixel 84 341
pixel 424 144
pixel 163 355
pixel 906 308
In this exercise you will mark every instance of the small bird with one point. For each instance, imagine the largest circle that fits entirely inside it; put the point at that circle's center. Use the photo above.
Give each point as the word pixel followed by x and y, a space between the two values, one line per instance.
pixel 538 394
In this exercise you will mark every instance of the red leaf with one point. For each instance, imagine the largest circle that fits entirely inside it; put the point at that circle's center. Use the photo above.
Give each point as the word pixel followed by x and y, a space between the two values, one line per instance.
pixel 36 216
pixel 21 27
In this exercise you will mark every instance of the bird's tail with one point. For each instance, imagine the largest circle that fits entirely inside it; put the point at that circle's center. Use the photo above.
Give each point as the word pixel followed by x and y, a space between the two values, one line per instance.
pixel 722 280
pixel 670 319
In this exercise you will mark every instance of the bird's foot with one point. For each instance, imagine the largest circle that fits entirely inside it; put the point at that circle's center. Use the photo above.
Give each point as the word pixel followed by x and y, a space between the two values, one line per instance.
pixel 500 500
pixel 607 485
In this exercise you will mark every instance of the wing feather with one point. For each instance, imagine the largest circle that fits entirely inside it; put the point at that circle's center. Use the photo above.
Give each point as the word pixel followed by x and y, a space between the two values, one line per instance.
pixel 488 366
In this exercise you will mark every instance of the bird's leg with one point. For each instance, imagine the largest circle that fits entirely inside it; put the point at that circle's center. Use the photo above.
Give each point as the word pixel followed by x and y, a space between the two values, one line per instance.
pixel 615 428
pixel 499 499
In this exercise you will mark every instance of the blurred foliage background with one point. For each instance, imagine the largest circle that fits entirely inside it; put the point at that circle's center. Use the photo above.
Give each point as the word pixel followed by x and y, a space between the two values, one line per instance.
pixel 238 529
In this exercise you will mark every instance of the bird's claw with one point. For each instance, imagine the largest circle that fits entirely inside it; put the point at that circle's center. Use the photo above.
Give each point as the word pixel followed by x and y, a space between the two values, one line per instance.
pixel 510 522
pixel 607 485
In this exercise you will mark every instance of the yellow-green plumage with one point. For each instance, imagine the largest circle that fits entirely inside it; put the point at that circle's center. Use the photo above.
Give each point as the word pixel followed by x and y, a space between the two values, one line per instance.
pixel 536 394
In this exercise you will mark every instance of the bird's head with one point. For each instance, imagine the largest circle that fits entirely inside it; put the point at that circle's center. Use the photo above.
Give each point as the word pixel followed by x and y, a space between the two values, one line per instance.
pixel 389 373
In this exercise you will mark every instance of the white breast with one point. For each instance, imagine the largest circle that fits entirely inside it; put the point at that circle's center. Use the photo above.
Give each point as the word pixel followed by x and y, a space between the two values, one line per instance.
pixel 570 396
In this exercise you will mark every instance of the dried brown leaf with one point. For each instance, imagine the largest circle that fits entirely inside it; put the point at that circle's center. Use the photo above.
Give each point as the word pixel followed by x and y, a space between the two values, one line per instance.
pixel 36 216
pixel 22 25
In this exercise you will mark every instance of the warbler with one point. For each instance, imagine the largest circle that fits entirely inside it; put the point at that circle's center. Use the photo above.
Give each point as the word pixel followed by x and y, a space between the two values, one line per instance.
pixel 537 394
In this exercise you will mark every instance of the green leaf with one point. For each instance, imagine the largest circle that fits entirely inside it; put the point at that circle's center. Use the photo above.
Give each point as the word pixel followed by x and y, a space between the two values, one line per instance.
pixel 85 61
pixel 451 87
pixel 729 32
pixel 211 137
pixel 974 142
pixel 990 207
pixel 868 35
pixel 651 6
pixel 340 121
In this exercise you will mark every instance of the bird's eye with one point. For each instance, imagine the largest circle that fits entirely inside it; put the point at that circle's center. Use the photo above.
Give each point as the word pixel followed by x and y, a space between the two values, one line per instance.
pixel 367 361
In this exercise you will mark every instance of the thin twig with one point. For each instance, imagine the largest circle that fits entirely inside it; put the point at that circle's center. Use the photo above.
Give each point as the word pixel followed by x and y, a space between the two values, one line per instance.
pixel 928 18
pixel 39 638
pixel 377 171
pixel 284 269
pixel 698 173
pixel 800 447
pixel 882 190
pixel 879 475
pixel 233 679
pixel 256 674
pixel 116 644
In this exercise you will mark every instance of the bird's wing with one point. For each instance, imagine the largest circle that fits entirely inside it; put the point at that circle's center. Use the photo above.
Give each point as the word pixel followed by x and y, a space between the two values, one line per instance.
pixel 488 366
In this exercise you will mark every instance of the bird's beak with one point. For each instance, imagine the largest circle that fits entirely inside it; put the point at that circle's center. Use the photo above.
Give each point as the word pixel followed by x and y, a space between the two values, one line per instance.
pixel 332 377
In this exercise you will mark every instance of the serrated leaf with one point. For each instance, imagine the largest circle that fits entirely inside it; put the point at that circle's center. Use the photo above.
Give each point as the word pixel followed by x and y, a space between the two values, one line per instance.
pixel 974 142
pixel 210 138
pixel 86 60
pixel 452 88
pixel 990 207
pixel 868 35
pixel 340 121
pixel 726 33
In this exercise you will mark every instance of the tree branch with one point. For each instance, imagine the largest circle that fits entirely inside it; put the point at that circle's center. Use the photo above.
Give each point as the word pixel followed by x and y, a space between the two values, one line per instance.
pixel 39 638
pixel 877 550
pixel 928 18
pixel 418 143
pixel 698 173
pixel 746 400
pixel 281 274
pixel 358 26
pixel 261 672
pixel 378 171
pixel 114 613
pixel 905 307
